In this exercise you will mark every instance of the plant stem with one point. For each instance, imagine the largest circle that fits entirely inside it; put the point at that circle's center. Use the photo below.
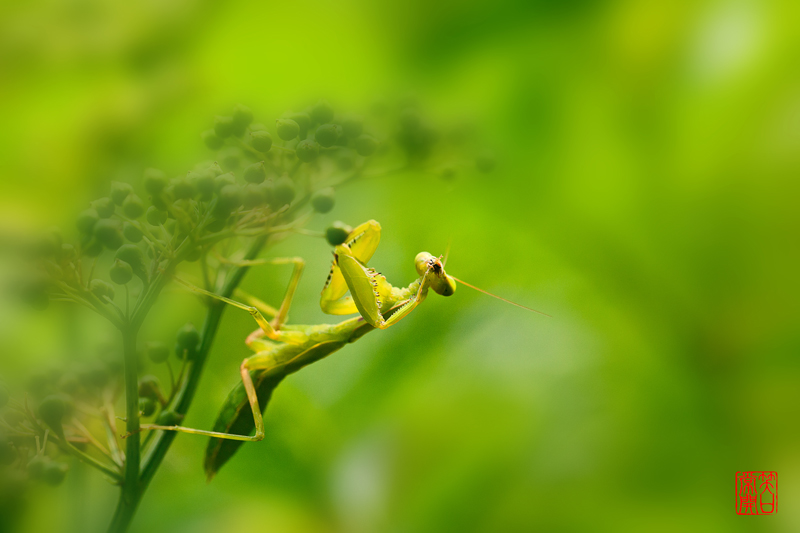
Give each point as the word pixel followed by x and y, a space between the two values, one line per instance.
pixel 133 490
pixel 129 499
pixel 183 399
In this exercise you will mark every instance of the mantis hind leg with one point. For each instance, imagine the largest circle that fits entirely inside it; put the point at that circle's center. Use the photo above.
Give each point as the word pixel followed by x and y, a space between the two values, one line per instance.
pixel 252 398
pixel 234 416
pixel 361 245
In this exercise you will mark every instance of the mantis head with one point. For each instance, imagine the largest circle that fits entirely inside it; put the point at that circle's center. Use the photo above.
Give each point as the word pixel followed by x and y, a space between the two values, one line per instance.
pixel 433 271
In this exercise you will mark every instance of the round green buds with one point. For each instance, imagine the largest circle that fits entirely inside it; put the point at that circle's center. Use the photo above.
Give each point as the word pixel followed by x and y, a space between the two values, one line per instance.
pixel 283 192
pixel 108 233
pixel 261 140
pixel 86 221
pixel 342 140
pixel 120 272
pixel 52 411
pixel 224 179
pixel 182 188
pixel 230 197
pixel 212 140
pixel 415 136
pixel 168 418
pixel 253 196
pixel 120 191
pixel 322 112
pixel 44 469
pixel 187 342
pixel 326 135
pixel 154 180
pixel 101 289
pixel 485 162
pixel 230 158
pixel 149 387
pixel 267 190
pixel 307 150
pixel 287 129
pixel 255 173
pixel 92 249
pixel 337 233
pixel 353 127
pixel 223 126
pixel 203 182
pixel 242 117
pixel 323 200
pixel 303 120
pixel 147 407
pixel 131 232
pixel 133 256
pixel 54 473
pixel 366 145
pixel 104 207
pixel 155 216
pixel 160 202
pixel 215 169
pixel 37 465
pixel 157 352
pixel 133 206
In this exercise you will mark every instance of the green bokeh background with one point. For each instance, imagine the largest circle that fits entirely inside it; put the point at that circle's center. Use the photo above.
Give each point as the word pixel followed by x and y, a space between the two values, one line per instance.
pixel 646 196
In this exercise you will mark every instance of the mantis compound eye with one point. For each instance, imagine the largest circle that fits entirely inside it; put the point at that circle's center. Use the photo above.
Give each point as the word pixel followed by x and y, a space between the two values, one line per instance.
pixel 444 285
pixel 422 262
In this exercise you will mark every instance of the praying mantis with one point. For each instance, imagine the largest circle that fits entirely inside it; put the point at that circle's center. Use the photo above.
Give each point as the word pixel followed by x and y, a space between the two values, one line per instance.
pixel 282 349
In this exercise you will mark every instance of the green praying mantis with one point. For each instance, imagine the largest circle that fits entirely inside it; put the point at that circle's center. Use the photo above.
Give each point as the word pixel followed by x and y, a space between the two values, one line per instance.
pixel 282 349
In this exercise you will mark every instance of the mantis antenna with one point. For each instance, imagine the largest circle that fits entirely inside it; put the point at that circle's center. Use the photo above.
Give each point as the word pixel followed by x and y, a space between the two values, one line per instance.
pixel 499 297
pixel 447 252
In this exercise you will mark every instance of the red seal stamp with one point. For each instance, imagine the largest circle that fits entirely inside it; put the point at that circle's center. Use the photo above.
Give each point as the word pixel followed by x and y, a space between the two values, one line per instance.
pixel 756 492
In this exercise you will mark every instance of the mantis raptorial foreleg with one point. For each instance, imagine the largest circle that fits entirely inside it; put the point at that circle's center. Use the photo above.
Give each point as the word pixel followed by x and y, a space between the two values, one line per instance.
pixel 370 294
pixel 361 244
pixel 281 350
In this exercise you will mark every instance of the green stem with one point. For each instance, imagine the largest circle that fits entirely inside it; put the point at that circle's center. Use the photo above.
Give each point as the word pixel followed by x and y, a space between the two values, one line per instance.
pixel 188 386
pixel 131 490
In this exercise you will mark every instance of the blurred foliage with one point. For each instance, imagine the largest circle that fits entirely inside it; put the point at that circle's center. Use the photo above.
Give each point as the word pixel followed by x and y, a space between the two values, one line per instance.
pixel 645 196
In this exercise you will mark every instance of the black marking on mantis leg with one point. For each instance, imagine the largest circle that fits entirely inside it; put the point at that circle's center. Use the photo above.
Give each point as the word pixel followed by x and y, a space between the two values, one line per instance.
pixel 330 274
pixel 354 240
pixel 373 277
